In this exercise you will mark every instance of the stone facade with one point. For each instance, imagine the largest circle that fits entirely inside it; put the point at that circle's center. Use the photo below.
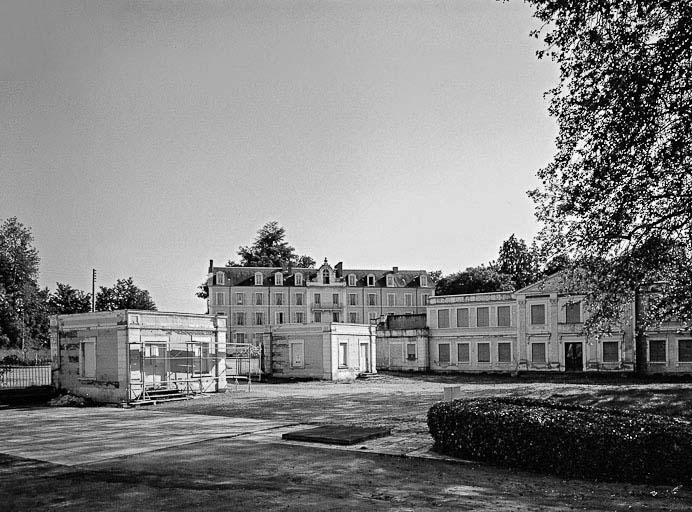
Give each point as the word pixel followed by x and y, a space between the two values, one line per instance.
pixel 402 343
pixel 256 298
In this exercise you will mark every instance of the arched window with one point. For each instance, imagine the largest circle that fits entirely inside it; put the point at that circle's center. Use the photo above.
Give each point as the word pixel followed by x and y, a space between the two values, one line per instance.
pixel 258 279
pixel 325 276
pixel 278 279
pixel 299 279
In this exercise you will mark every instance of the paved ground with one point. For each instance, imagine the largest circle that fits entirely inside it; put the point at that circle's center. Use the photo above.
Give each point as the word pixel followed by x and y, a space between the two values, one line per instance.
pixel 226 453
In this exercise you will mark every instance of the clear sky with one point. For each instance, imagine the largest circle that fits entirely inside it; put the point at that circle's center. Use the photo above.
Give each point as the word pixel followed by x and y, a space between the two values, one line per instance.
pixel 145 138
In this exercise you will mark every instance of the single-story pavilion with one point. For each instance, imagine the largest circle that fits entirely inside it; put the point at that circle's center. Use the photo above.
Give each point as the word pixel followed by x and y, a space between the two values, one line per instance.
pixel 128 356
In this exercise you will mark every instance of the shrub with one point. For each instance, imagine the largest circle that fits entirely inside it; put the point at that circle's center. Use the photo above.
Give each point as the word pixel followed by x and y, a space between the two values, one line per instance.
pixel 565 440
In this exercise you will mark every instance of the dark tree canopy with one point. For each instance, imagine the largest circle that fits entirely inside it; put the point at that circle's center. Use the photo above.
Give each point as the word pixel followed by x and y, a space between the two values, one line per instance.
pixel 67 300
pixel 270 249
pixel 123 295
pixel 474 280
pixel 520 262
pixel 23 314
pixel 617 196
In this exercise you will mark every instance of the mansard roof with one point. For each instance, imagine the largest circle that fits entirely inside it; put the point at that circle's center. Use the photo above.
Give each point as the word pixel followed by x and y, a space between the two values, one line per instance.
pixel 245 276
pixel 554 283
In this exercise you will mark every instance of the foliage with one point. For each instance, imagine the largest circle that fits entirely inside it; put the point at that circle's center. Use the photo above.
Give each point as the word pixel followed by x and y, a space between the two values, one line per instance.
pixel 566 440
pixel 271 250
pixel 519 261
pixel 474 280
pixel 67 300
pixel 23 315
pixel 616 195
pixel 123 295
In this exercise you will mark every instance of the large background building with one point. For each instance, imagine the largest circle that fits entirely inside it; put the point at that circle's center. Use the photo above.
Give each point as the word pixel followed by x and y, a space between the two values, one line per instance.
pixel 256 298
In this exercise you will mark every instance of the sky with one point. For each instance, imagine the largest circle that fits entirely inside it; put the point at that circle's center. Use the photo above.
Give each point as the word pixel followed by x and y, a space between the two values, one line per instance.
pixel 143 139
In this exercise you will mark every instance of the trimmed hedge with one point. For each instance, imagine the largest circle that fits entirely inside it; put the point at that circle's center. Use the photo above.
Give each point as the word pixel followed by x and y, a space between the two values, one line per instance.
pixel 565 440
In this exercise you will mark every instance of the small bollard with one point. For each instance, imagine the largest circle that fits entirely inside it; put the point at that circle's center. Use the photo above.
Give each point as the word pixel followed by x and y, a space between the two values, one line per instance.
pixel 452 393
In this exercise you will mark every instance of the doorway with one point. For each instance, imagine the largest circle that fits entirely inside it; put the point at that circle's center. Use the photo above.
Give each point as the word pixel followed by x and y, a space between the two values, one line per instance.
pixel 364 360
pixel 574 359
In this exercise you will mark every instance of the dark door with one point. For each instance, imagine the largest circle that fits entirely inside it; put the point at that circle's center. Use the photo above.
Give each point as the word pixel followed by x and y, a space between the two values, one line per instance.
pixel 573 357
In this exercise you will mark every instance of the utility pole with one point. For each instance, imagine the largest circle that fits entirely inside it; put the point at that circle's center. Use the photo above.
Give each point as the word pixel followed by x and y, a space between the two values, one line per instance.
pixel 93 290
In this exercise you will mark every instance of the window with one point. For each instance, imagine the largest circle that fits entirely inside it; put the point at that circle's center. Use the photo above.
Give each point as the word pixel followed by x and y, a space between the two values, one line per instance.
pixel 240 337
pixel 279 317
pixel 87 358
pixel 611 351
pixel 297 350
pixel 408 299
pixel 318 298
pixel 259 299
pixel 483 352
pixel 538 314
pixel 259 318
pixel 573 313
pixel 503 318
pixel 278 279
pixel 657 351
pixel 411 351
pixel 504 352
pixel 685 351
pixel 298 278
pixel 482 317
pixel 371 280
pixel 443 353
pixel 463 353
pixel 299 299
pixel 462 317
pixel 220 278
pixel 443 318
pixel 424 298
pixel 240 298
pixel 299 317
pixel 351 279
pixel 279 299
pixel 335 316
pixel 424 281
pixel 343 355
pixel 538 352
pixel 372 316
pixel 372 299
pixel 353 317
pixel 352 299
pixel 325 276
pixel 390 281
pixel 240 318
pixel 318 316
pixel 259 279
pixel 220 299
pixel 391 299
pixel 335 298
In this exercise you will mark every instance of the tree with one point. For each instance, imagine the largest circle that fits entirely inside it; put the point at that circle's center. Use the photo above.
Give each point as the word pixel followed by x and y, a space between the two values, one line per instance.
pixel 474 280
pixel 519 261
pixel 617 195
pixel 123 295
pixel 23 316
pixel 271 250
pixel 67 300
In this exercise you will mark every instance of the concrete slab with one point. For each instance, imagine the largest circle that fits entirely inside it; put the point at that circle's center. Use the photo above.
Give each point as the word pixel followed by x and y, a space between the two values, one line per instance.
pixel 337 434
pixel 71 436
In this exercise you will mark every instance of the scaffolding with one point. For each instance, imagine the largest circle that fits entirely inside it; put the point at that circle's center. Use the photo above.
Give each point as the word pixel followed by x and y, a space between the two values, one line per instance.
pixel 243 361
pixel 169 370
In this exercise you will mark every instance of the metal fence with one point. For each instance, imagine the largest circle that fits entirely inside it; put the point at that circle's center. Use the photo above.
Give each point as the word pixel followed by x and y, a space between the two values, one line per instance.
pixel 17 377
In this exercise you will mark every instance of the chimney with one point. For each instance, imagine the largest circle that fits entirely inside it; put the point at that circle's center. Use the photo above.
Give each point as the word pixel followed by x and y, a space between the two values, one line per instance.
pixel 338 268
pixel 211 266
pixel 395 269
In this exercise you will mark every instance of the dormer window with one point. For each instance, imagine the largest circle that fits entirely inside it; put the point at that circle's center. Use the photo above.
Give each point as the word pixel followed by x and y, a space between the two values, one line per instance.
pixel 220 278
pixel 259 279
pixel 424 280
pixel 325 276
pixel 351 279
pixel 278 279
pixel 371 280
pixel 390 281
pixel 299 279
